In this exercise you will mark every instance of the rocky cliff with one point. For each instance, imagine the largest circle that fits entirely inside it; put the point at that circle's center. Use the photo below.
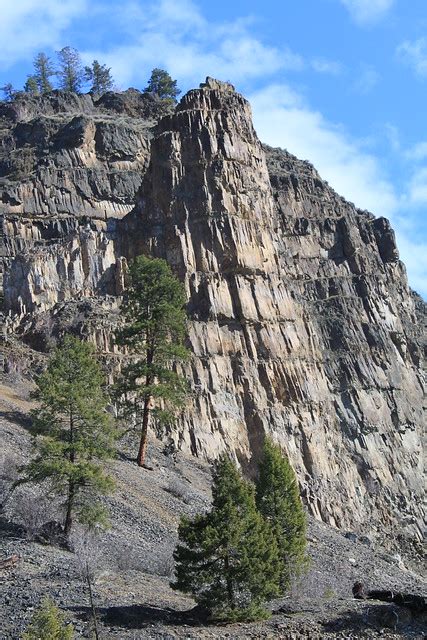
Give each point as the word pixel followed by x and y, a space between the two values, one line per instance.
pixel 301 322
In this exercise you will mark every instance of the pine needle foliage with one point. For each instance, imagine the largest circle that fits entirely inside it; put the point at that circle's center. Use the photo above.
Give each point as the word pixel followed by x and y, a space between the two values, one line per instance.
pixel 154 332
pixel 75 432
pixel 228 559
pixel 279 501
pixel 70 73
pixel 162 85
pixel 31 86
pixel 99 76
pixel 9 92
pixel 43 71
pixel 48 623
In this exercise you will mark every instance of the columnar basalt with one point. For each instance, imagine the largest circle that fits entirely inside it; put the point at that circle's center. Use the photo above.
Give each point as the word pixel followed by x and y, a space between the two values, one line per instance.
pixel 301 324
pixel 299 311
pixel 70 166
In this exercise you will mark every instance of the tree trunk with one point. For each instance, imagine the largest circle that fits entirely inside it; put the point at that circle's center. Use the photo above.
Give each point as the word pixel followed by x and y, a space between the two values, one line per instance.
pixel 92 604
pixel 229 582
pixel 70 507
pixel 71 487
pixel 144 430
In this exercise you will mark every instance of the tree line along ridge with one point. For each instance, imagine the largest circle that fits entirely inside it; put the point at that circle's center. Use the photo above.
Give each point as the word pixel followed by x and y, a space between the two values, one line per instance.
pixel 69 74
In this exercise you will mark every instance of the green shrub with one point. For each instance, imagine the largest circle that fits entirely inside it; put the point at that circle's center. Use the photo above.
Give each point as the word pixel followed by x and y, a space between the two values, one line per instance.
pixel 48 623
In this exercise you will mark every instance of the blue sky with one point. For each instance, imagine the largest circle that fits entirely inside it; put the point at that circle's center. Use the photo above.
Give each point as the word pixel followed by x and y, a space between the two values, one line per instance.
pixel 341 83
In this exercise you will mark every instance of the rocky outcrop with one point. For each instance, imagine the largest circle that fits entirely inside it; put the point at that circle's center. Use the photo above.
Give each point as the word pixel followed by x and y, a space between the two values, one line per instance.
pixel 70 166
pixel 299 311
pixel 82 265
pixel 301 323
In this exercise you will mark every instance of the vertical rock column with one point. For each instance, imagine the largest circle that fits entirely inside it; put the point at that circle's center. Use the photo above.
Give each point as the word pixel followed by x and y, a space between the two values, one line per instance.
pixel 206 207
pixel 266 357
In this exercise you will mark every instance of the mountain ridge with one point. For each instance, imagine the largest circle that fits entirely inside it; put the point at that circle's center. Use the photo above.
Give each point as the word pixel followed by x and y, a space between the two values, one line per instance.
pixel 301 321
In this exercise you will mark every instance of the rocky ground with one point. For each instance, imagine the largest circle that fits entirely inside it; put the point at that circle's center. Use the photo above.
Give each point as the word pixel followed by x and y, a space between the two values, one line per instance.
pixel 133 565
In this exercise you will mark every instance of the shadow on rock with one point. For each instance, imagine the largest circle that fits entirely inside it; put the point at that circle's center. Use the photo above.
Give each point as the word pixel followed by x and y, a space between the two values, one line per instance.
pixel 18 417
pixel 375 616
pixel 139 616
pixel 10 529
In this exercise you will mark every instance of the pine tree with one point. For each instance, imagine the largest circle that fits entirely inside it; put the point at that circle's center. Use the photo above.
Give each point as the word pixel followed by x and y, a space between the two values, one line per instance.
pixel 47 623
pixel 70 73
pixel 31 86
pixel 43 71
pixel 279 501
pixel 75 432
pixel 228 559
pixel 9 92
pixel 153 334
pixel 99 75
pixel 161 84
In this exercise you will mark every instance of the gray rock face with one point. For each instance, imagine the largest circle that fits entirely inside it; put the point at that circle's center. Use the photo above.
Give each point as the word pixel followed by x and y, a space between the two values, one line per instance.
pixel 301 325
pixel 69 168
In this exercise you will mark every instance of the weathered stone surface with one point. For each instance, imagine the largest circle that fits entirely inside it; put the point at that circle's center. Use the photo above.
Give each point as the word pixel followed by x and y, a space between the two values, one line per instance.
pixel 69 168
pixel 82 265
pixel 299 313
pixel 302 324
pixel 63 155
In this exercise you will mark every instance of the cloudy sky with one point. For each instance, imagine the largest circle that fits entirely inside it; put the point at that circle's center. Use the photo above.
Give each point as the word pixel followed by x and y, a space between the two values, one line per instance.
pixel 342 83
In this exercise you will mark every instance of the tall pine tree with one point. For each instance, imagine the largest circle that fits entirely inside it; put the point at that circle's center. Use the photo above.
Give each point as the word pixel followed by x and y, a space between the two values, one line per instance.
pixel 279 501
pixel 75 432
pixel 228 559
pixel 9 92
pixel 162 85
pixel 153 334
pixel 43 71
pixel 70 73
pixel 31 86
pixel 99 75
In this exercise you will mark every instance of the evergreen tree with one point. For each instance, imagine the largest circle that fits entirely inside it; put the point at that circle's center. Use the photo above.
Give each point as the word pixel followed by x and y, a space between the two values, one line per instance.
pixel 279 501
pixel 43 71
pixel 47 623
pixel 99 75
pixel 228 559
pixel 153 334
pixel 31 86
pixel 76 432
pixel 161 84
pixel 9 91
pixel 70 73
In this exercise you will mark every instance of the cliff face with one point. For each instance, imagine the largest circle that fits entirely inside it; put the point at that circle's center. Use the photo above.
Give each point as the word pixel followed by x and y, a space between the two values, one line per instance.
pixel 301 325
pixel 70 167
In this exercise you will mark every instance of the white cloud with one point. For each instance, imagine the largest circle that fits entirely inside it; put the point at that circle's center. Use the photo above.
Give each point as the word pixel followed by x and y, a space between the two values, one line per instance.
pixel 175 35
pixel 414 255
pixel 284 119
pixel 417 152
pixel 367 80
pixel 418 187
pixel 366 12
pixel 29 25
pixel 415 54
pixel 326 66
pixel 392 134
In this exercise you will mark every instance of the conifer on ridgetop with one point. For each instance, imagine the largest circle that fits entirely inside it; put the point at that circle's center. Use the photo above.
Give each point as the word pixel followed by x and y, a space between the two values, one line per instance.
pixel 162 85
pixel 99 76
pixel 70 73
pixel 43 71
